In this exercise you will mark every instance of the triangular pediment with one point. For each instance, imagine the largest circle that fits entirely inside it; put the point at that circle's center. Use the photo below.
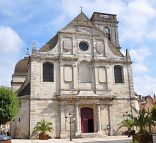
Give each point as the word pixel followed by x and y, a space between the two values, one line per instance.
pixel 81 20
pixel 82 25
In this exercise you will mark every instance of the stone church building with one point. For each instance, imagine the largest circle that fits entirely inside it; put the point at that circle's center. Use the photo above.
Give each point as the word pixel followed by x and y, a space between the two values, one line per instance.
pixel 80 72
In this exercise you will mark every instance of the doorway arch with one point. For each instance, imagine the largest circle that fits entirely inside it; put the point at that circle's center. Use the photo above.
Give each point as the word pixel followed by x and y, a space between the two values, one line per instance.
pixel 87 122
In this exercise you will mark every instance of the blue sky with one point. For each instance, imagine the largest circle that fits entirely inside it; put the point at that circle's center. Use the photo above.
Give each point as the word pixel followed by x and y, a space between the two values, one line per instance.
pixel 22 22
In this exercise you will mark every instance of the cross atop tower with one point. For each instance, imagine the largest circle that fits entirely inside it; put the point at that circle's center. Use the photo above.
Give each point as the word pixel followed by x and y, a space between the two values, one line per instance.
pixel 81 8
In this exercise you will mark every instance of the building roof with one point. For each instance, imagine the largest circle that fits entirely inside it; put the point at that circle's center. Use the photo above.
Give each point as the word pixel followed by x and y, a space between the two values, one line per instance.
pixel 50 44
pixel 81 20
pixel 24 90
pixel 21 67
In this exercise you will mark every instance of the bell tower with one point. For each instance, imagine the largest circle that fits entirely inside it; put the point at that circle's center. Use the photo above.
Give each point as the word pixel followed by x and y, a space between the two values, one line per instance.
pixel 108 24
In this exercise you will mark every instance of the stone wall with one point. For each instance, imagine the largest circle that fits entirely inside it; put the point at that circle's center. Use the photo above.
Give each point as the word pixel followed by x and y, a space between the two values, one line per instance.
pixel 20 126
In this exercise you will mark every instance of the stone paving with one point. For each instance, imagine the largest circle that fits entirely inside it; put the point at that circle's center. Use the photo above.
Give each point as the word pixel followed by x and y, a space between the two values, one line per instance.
pixel 112 139
pixel 108 139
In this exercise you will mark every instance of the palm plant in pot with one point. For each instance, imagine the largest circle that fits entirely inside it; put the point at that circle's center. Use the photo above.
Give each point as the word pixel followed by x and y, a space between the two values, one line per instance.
pixel 43 127
pixel 128 123
pixel 141 122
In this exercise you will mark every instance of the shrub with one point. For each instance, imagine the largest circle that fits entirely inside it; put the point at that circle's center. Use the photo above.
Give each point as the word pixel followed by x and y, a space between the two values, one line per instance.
pixel 9 105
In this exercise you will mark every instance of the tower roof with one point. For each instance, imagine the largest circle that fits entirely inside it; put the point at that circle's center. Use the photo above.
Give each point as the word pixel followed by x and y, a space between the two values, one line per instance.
pixel 21 67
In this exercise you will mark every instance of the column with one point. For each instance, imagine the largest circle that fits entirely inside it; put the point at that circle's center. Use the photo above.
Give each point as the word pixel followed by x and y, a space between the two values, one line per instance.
pixel 63 123
pixel 99 118
pixel 78 128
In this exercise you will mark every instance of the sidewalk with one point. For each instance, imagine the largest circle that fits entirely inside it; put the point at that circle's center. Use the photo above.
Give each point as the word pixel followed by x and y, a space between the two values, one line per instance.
pixel 110 139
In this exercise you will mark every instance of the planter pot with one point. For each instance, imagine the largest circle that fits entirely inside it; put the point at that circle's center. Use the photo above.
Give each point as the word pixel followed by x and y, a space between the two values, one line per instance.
pixel 43 136
pixel 130 133
pixel 143 138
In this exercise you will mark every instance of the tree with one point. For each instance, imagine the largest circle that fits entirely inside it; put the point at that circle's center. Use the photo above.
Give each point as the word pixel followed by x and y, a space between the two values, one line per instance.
pixel 9 105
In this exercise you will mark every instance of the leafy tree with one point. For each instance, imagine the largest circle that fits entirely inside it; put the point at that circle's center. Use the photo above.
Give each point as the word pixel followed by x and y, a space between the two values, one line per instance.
pixel 9 105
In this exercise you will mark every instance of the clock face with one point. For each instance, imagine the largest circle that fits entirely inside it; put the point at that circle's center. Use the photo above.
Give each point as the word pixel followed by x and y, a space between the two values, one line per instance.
pixel 83 46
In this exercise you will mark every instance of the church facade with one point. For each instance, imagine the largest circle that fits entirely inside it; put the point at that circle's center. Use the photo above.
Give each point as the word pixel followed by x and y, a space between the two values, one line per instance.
pixel 81 73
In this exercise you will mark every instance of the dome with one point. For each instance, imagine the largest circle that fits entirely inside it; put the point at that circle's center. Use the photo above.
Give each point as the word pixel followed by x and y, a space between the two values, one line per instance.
pixel 21 67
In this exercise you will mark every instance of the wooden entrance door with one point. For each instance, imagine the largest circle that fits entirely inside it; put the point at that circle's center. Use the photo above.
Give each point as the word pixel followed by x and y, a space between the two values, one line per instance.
pixel 87 122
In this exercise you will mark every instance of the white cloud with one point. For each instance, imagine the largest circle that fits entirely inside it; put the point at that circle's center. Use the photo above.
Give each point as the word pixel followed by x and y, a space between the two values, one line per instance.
pixel 10 47
pixel 9 40
pixel 135 18
pixel 72 8
pixel 151 35
pixel 140 54
pixel 145 84
pixel 140 68
pixel 134 15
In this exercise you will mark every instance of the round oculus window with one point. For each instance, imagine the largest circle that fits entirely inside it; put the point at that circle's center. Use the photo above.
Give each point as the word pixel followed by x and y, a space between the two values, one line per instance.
pixel 83 46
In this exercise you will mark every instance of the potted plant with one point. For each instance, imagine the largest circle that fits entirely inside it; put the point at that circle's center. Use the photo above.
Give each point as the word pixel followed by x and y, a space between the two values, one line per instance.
pixel 42 127
pixel 142 121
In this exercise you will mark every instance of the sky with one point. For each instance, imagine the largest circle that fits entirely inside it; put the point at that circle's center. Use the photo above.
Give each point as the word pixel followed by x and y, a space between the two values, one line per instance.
pixel 25 21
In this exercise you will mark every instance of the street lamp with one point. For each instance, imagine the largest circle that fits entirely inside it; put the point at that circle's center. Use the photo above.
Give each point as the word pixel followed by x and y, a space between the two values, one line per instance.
pixel 126 115
pixel 71 120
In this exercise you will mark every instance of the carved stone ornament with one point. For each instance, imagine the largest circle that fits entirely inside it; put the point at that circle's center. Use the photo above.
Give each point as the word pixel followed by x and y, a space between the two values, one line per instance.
pixel 99 48
pixel 67 44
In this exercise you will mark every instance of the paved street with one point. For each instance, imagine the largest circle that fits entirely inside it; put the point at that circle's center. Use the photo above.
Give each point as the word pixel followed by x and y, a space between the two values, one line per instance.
pixel 112 139
pixel 108 139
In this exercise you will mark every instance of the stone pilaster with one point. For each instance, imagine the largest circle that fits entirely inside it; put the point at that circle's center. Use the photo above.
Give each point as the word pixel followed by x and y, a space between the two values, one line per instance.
pixel 99 118
pixel 78 127
pixel 63 123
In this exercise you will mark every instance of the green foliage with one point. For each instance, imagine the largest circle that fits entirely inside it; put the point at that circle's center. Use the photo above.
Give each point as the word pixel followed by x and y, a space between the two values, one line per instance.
pixel 128 123
pixel 134 142
pixel 143 120
pixel 43 127
pixel 153 113
pixel 9 105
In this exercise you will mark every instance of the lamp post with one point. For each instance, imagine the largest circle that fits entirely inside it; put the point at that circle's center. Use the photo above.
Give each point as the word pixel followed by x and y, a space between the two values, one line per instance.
pixel 71 120
pixel 126 115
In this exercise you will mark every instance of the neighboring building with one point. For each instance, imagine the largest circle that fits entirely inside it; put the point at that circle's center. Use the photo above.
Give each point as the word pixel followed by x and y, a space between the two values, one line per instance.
pixel 147 103
pixel 80 71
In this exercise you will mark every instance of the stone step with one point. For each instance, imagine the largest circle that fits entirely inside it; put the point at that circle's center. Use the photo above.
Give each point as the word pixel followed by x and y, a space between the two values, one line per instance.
pixel 154 138
pixel 90 135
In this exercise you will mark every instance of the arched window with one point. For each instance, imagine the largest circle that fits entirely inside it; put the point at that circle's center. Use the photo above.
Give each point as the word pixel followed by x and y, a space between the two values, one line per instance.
pixel 48 72
pixel 118 74
pixel 85 72
pixel 108 33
